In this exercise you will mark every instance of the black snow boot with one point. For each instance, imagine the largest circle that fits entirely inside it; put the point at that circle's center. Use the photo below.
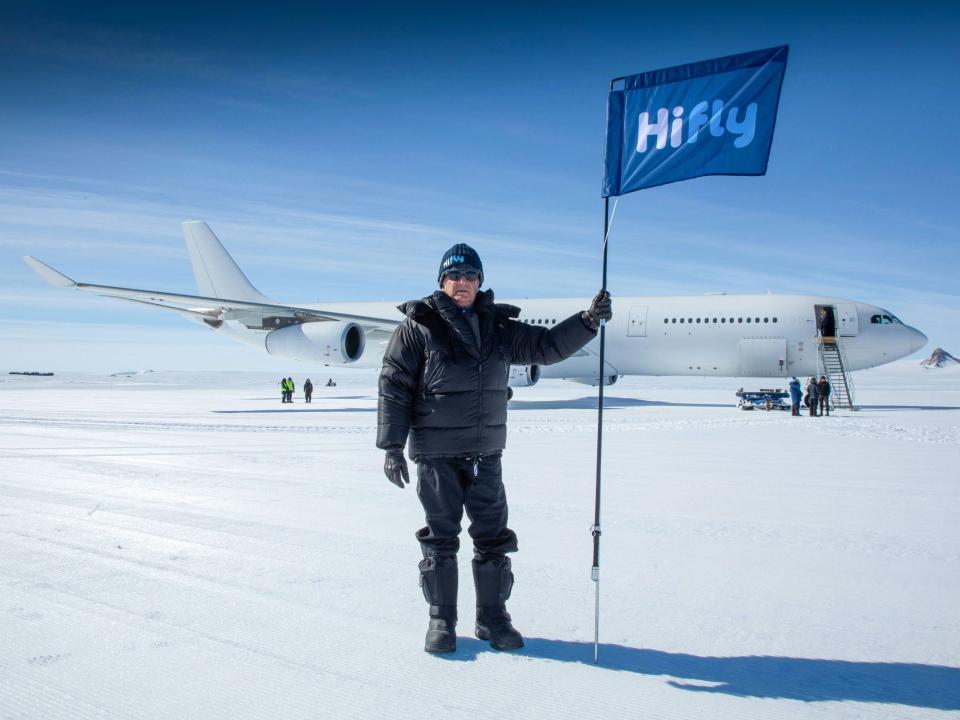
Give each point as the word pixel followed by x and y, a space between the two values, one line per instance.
pixel 438 578
pixel 494 580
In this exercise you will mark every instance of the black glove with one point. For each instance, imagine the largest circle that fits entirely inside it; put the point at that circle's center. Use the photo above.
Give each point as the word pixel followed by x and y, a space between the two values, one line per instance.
pixel 395 467
pixel 600 309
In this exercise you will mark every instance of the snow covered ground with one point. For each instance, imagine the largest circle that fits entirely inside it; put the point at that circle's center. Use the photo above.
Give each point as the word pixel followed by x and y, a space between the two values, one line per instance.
pixel 184 546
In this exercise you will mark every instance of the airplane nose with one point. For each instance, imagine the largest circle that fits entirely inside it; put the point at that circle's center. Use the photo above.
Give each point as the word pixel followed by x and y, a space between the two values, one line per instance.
pixel 917 340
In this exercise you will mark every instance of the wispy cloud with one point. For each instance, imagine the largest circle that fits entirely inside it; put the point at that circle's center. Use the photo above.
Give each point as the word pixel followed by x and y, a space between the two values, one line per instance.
pixel 33 219
pixel 91 44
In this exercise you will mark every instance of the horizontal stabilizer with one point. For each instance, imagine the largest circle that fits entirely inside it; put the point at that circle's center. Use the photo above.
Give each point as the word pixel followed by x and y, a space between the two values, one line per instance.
pixel 48 274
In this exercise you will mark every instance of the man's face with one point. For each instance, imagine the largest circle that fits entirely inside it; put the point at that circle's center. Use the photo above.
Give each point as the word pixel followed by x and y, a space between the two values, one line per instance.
pixel 460 287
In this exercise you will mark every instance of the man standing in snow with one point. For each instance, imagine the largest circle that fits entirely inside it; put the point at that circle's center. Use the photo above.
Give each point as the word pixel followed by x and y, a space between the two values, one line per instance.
pixel 812 392
pixel 823 395
pixel 795 396
pixel 443 387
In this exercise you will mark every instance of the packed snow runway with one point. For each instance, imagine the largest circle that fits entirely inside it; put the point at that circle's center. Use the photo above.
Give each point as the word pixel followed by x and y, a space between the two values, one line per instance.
pixel 184 546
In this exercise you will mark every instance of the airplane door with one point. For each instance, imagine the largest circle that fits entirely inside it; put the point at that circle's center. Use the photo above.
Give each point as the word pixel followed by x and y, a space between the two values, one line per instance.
pixel 849 324
pixel 637 326
pixel 763 357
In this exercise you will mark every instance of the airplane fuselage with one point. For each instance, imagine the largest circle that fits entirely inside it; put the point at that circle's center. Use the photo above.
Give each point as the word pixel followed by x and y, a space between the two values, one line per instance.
pixel 721 335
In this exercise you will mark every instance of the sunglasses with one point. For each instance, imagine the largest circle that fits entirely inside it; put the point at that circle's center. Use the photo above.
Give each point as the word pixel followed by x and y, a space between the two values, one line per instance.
pixel 457 275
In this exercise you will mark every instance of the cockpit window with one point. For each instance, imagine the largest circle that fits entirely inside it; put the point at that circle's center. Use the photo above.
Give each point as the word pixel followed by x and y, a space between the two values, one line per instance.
pixel 884 319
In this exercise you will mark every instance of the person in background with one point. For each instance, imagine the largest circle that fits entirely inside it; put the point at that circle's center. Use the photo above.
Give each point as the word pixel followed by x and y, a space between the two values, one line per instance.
pixel 308 390
pixel 795 395
pixel 823 395
pixel 812 393
pixel 291 388
pixel 283 390
pixel 828 329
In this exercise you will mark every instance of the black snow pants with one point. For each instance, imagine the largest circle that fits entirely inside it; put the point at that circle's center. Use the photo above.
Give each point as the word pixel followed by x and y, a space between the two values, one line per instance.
pixel 447 486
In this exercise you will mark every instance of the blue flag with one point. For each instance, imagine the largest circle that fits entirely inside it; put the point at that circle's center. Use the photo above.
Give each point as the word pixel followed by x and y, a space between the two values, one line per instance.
pixel 714 117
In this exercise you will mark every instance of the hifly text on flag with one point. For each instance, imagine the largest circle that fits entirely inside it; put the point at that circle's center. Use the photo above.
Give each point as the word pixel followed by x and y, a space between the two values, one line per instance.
pixel 714 117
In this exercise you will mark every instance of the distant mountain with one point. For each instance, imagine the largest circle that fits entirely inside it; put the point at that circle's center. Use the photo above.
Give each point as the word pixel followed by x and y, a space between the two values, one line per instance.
pixel 940 358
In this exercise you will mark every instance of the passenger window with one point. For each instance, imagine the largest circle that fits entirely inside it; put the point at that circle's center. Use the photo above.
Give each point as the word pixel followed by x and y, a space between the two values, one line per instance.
pixel 674 321
pixel 714 321
pixel 698 321
pixel 774 319
pixel 723 320
pixel 748 319
pixel 756 319
pixel 739 320
pixel 766 320
pixel 681 321
pixel 689 320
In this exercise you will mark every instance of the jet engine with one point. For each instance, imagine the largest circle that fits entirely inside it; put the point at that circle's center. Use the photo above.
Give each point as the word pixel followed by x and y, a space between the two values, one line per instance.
pixel 331 343
pixel 523 375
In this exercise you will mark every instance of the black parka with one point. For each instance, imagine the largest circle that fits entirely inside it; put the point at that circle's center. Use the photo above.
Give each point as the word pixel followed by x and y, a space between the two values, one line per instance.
pixel 448 395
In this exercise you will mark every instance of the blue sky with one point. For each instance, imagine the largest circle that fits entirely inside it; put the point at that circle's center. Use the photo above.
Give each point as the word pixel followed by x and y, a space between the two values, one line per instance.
pixel 338 152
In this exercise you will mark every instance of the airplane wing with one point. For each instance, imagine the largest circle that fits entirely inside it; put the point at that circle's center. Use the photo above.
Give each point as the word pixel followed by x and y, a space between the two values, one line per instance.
pixel 211 309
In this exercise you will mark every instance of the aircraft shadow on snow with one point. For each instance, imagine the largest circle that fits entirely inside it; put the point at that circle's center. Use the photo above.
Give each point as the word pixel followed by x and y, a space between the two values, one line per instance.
pixel 785 678
pixel 302 407
pixel 909 407
pixel 305 409
pixel 609 403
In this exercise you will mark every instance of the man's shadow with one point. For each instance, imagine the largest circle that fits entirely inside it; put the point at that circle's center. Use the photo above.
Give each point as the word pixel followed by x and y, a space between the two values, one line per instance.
pixel 807 679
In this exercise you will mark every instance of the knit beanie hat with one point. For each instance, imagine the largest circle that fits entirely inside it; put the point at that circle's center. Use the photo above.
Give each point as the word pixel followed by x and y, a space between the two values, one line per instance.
pixel 460 257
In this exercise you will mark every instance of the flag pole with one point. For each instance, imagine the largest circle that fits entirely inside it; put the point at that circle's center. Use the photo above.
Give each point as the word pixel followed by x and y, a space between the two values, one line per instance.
pixel 595 529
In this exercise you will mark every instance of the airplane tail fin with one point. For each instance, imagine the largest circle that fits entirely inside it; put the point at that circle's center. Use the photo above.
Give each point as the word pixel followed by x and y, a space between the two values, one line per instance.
pixel 216 272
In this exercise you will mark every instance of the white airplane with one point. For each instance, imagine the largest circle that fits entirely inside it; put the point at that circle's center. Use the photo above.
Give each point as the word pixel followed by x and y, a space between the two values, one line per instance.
pixel 713 335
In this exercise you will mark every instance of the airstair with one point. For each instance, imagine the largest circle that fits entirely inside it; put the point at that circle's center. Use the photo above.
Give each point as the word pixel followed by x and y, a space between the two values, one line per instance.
pixel 833 364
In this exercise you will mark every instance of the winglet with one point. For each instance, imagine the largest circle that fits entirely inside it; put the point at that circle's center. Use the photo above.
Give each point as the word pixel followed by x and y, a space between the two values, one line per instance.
pixel 48 274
